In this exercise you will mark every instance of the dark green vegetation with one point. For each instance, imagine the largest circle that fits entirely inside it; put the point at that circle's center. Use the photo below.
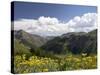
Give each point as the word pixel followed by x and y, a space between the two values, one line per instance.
pixel 74 43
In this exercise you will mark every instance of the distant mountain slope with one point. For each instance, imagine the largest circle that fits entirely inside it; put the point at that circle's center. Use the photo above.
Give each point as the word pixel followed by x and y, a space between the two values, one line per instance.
pixel 73 33
pixel 75 43
pixel 29 39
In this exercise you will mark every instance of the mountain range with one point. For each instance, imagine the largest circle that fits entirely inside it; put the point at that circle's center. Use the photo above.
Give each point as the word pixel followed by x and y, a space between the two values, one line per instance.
pixel 73 42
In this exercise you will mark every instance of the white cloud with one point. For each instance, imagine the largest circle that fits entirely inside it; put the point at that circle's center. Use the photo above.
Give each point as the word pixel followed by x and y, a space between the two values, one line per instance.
pixel 48 21
pixel 86 23
pixel 44 25
pixel 52 26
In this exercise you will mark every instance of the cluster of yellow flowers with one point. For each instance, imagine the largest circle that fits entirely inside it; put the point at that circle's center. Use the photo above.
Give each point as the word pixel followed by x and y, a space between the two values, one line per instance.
pixel 44 64
pixel 34 64
pixel 78 62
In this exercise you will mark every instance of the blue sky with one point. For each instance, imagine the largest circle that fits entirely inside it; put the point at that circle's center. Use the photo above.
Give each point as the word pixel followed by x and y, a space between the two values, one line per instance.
pixel 30 10
pixel 54 19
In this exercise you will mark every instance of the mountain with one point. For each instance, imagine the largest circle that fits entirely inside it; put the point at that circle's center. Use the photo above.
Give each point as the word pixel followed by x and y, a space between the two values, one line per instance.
pixel 20 48
pixel 73 33
pixel 49 37
pixel 74 42
pixel 26 43
pixel 29 39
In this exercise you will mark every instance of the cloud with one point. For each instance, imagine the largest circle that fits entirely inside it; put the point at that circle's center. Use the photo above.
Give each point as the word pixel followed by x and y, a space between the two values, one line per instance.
pixel 52 26
pixel 42 26
pixel 86 23
pixel 48 21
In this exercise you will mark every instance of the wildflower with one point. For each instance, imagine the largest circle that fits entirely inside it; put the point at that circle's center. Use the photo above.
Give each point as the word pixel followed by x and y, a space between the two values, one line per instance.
pixel 84 54
pixel 45 70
